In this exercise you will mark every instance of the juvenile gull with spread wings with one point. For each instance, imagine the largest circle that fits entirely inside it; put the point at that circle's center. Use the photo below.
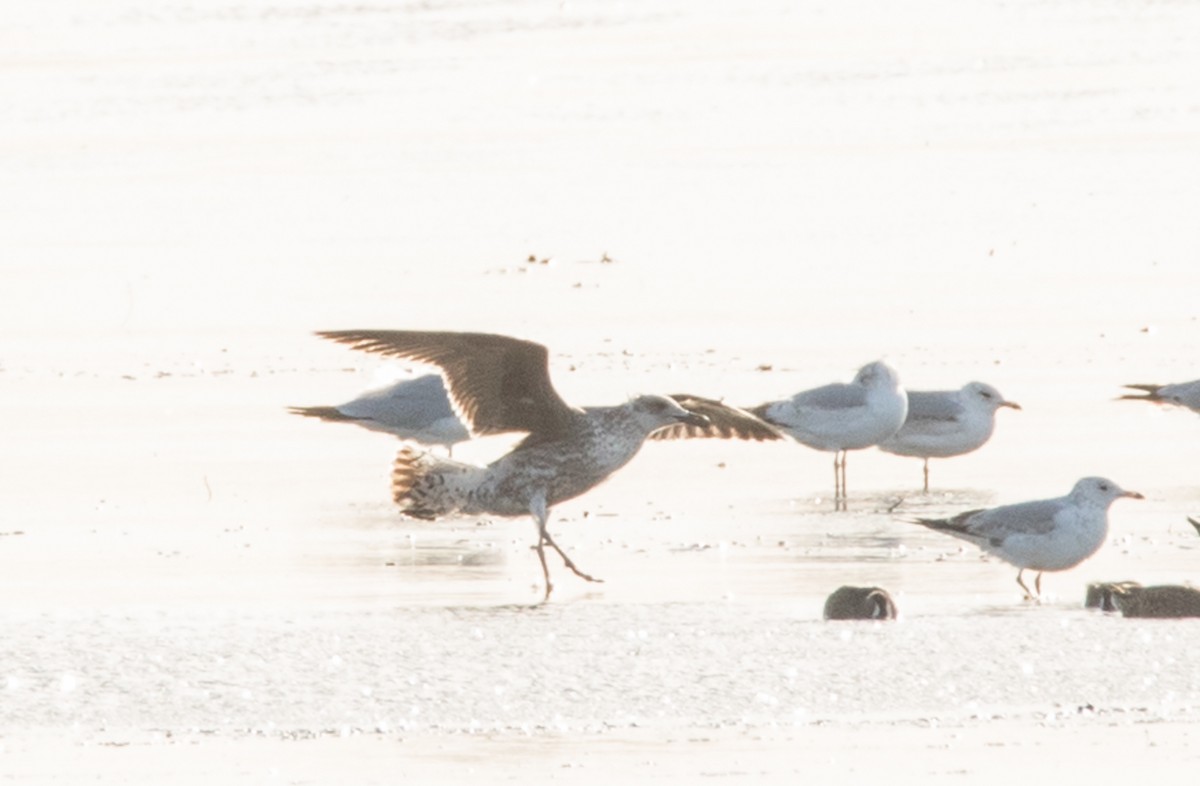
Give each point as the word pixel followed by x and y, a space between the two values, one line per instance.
pixel 945 423
pixel 502 384
pixel 1050 534
pixel 416 409
pixel 841 417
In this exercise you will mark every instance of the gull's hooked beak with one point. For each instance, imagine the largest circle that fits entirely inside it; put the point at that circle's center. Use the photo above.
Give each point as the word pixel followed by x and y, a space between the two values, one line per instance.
pixel 1133 495
pixel 1010 404
pixel 694 419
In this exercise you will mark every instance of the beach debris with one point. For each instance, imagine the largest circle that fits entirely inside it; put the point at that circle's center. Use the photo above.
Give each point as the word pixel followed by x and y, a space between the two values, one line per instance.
pixel 1162 601
pixel 1100 594
pixel 860 603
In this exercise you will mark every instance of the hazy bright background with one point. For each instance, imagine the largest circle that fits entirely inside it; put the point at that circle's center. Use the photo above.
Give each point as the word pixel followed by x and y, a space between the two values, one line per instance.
pixel 1003 191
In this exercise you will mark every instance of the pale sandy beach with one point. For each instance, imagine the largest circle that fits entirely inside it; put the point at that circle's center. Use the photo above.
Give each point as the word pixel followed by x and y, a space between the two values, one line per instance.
pixel 738 201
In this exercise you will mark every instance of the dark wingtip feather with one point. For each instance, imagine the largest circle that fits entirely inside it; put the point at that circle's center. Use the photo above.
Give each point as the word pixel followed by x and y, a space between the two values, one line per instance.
pixel 1148 393
pixel 955 524
pixel 323 413
pixel 364 340
pixel 726 422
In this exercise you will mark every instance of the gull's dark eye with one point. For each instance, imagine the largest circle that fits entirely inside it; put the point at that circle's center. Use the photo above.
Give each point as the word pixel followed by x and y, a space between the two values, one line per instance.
pixel 1104 487
pixel 986 395
pixel 657 405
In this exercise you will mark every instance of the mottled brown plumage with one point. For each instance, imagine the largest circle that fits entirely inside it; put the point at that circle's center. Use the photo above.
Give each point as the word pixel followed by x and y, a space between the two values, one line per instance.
pixel 501 384
pixel 498 384
pixel 725 422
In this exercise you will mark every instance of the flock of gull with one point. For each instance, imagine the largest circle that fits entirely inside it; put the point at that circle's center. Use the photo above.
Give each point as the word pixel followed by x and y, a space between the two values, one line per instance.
pixel 493 384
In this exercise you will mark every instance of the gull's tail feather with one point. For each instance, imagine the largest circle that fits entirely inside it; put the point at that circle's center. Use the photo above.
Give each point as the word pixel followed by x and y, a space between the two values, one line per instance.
pixel 324 413
pixel 426 486
pixel 946 525
pixel 1148 393
pixel 954 525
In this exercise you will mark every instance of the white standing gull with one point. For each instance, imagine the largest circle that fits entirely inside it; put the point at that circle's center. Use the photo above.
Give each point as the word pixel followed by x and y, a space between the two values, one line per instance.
pixel 500 384
pixel 1183 394
pixel 1044 535
pixel 841 417
pixel 945 423
pixel 414 409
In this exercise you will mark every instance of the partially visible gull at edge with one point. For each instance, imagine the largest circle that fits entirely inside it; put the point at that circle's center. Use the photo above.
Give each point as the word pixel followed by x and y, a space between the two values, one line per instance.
pixel 1182 394
pixel 501 384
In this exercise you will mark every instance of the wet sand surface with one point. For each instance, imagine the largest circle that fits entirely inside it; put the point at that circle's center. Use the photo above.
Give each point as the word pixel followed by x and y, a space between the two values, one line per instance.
pixel 199 587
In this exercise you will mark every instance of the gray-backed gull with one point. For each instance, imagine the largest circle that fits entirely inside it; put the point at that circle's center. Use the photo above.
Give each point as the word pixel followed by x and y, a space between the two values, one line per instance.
pixel 945 423
pixel 841 417
pixel 1043 535
pixel 414 409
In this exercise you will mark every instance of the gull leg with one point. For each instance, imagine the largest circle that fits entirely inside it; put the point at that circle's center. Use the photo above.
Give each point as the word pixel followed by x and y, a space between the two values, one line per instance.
pixel 538 510
pixel 567 561
pixel 839 480
pixel 1037 583
pixel 845 491
pixel 843 471
pixel 926 476
pixel 1028 595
